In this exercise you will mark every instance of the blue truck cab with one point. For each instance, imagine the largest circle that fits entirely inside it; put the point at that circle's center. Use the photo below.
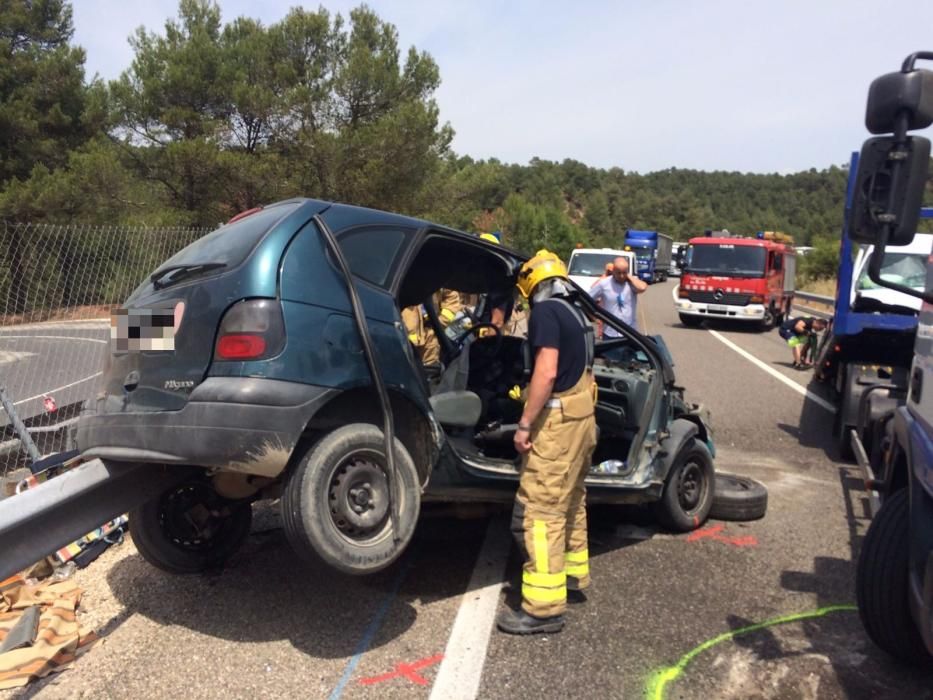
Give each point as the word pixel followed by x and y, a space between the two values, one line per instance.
pixel 894 575
pixel 653 251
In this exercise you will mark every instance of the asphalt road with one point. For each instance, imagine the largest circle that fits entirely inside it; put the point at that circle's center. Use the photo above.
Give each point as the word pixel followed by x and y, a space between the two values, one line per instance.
pixel 61 359
pixel 662 606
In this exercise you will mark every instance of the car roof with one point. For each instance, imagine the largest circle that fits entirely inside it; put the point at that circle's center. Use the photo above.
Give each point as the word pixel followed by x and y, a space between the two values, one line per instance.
pixel 354 215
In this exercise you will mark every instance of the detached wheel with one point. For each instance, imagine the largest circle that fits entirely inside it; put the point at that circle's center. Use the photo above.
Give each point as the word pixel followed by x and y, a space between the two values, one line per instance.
pixel 690 321
pixel 189 528
pixel 336 507
pixel 688 491
pixel 738 498
pixel 881 583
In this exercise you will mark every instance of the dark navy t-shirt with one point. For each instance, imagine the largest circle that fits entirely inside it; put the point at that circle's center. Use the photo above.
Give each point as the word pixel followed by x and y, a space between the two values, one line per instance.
pixel 553 325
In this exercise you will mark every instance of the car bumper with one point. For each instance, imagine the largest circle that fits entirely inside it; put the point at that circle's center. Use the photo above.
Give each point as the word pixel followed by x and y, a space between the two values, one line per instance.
pixel 751 312
pixel 240 424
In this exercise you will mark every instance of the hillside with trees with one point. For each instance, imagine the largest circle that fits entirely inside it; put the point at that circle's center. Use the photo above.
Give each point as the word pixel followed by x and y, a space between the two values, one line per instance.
pixel 216 115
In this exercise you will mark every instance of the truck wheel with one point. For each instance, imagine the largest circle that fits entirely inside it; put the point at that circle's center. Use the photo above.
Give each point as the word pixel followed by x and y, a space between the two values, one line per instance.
pixel 690 321
pixel 688 490
pixel 335 504
pixel 840 429
pixel 189 528
pixel 738 498
pixel 770 319
pixel 881 583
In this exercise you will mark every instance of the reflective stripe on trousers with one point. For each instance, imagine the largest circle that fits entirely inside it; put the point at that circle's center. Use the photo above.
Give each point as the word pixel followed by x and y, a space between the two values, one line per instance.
pixel 549 517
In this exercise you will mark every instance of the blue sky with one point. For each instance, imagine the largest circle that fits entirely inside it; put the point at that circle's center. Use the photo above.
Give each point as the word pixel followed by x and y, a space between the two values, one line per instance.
pixel 753 85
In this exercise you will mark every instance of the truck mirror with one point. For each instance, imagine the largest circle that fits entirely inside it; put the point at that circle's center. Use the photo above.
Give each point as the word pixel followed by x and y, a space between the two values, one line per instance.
pixel 888 189
pixel 907 92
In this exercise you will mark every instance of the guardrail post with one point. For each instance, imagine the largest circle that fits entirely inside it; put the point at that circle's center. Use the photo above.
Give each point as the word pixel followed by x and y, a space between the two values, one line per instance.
pixel 21 432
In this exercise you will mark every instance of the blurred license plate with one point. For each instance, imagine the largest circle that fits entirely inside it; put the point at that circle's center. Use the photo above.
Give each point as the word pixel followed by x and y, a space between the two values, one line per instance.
pixel 717 309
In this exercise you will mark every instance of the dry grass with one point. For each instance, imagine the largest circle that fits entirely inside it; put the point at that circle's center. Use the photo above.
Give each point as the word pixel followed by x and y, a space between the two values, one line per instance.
pixel 826 287
pixel 74 313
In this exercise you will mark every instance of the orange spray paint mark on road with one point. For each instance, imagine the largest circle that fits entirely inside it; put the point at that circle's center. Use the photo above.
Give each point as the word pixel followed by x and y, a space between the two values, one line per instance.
pixel 714 532
pixel 403 670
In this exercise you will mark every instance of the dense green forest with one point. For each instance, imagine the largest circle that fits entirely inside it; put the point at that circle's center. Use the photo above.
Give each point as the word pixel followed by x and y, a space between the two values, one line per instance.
pixel 216 115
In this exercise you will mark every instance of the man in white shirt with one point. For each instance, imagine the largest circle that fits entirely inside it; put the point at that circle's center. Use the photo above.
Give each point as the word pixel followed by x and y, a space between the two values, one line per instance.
pixel 618 294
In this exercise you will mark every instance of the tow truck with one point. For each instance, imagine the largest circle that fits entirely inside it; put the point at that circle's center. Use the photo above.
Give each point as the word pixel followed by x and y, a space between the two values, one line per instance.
pixel 738 278
pixel 892 400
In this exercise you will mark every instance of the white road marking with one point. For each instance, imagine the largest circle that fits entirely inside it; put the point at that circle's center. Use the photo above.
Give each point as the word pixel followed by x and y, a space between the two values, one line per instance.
pixel 58 388
pixel 8 356
pixel 818 400
pixel 52 337
pixel 461 671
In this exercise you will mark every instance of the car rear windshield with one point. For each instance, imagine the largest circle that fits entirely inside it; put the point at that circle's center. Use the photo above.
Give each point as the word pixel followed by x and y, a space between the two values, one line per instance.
pixel 231 244
pixel 726 260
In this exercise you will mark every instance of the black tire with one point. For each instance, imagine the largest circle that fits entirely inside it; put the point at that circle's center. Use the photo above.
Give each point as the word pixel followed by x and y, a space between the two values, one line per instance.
pixel 881 583
pixel 841 430
pixel 189 528
pixel 341 473
pixel 688 489
pixel 738 498
pixel 690 321
pixel 770 319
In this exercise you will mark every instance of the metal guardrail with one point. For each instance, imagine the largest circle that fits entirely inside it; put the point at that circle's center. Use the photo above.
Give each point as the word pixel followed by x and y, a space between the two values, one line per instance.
pixel 819 298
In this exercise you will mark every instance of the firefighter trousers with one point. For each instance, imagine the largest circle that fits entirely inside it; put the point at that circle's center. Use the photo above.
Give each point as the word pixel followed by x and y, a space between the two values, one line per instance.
pixel 549 516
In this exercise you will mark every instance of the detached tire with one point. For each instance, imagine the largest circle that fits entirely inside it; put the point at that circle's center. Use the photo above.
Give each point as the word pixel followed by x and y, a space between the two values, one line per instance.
pixel 690 321
pixel 688 490
pixel 335 504
pixel 881 583
pixel 739 498
pixel 189 528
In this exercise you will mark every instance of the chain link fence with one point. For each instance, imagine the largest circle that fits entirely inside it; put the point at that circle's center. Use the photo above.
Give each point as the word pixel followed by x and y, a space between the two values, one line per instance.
pixel 58 286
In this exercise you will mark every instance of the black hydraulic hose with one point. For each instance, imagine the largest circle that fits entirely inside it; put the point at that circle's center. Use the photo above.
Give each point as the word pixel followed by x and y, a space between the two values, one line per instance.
pixel 359 317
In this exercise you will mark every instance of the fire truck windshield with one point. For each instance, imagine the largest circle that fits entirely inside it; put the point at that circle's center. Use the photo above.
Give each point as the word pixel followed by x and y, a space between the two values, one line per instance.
pixel 726 260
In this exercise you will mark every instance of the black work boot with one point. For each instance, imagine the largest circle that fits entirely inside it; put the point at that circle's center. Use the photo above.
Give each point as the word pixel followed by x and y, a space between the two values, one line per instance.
pixel 520 622
pixel 575 594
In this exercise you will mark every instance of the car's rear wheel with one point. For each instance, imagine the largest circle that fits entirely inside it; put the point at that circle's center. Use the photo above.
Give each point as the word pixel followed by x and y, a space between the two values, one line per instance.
pixel 336 503
pixel 189 528
pixel 881 583
pixel 688 490
pixel 690 321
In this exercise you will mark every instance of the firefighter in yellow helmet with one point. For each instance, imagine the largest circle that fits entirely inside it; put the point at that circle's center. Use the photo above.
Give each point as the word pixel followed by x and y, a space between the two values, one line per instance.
pixel 419 329
pixel 556 437
pixel 496 308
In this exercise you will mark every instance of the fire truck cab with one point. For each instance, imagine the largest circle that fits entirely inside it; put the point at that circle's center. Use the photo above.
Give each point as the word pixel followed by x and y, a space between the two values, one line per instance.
pixel 738 278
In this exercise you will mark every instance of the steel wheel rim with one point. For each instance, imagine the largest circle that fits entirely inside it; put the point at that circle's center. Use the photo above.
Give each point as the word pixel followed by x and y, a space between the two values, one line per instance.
pixel 357 498
pixel 691 487
pixel 192 516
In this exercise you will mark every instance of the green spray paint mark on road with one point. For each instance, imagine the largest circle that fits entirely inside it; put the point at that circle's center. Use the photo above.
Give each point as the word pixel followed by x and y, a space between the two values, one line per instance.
pixel 660 679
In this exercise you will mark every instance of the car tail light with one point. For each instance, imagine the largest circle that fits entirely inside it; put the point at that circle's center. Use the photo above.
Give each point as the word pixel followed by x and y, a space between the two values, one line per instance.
pixel 756 299
pixel 251 330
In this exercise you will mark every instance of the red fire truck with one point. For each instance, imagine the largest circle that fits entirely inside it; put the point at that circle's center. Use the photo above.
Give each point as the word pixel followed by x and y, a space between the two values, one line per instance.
pixel 738 278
